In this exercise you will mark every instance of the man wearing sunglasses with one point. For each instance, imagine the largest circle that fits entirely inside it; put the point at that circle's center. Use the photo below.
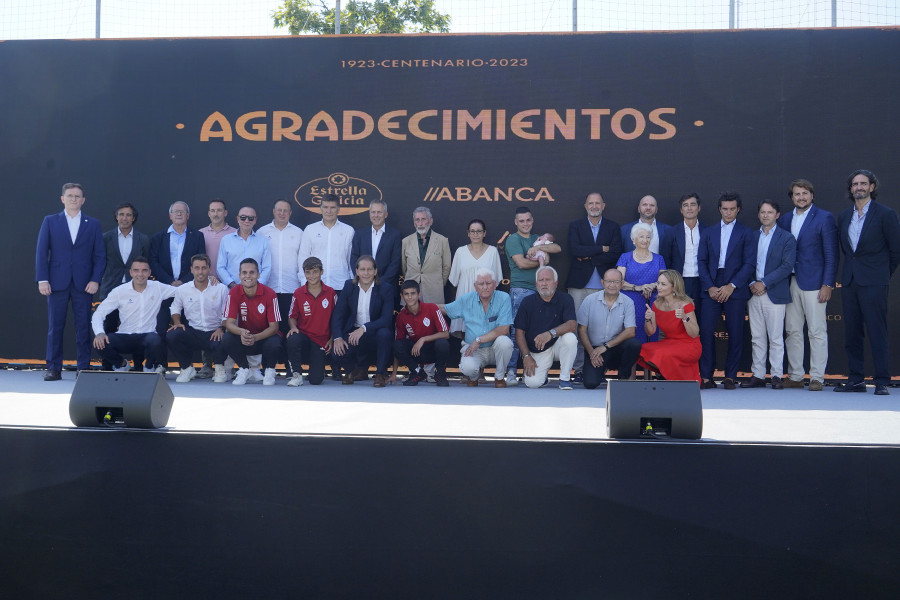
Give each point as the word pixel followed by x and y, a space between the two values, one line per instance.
pixel 243 243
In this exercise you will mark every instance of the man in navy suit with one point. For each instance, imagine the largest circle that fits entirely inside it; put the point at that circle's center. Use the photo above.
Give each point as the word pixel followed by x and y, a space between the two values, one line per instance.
pixel 727 258
pixel 170 255
pixel 383 242
pixel 361 325
pixel 776 251
pixel 679 246
pixel 812 283
pixel 69 264
pixel 595 244
pixel 647 209
pixel 869 235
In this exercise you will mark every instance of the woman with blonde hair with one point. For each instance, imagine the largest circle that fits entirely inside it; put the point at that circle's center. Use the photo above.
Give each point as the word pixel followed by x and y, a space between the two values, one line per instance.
pixel 677 355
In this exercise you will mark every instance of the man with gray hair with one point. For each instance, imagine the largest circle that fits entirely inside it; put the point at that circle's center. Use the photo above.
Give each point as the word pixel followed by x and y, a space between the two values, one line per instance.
pixel 545 331
pixel 487 314
pixel 426 257
pixel 170 255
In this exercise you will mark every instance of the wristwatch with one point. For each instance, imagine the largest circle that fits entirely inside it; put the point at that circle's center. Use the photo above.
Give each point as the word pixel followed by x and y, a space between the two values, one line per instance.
pixel 553 333
pixel 478 339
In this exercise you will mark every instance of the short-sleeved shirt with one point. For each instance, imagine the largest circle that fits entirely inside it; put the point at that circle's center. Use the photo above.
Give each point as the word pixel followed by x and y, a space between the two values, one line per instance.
pixel 478 322
pixel 313 313
pixel 428 321
pixel 520 278
pixel 253 314
pixel 605 323
pixel 537 315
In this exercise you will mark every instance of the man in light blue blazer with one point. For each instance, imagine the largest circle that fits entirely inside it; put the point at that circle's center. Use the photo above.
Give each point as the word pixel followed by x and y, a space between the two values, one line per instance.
pixel 69 264
pixel 776 251
pixel 815 272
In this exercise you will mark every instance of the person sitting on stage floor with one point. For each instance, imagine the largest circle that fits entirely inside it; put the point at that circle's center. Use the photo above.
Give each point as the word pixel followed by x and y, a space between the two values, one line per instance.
pixel 361 325
pixel 545 325
pixel 309 334
pixel 203 303
pixel 422 335
pixel 487 315
pixel 676 356
pixel 606 331
pixel 251 323
pixel 138 303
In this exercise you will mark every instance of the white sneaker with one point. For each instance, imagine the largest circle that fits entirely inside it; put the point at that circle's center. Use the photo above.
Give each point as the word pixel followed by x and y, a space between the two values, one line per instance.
pixel 256 375
pixel 511 379
pixel 296 380
pixel 186 375
pixel 269 378
pixel 221 376
pixel 123 368
pixel 242 376
pixel 161 369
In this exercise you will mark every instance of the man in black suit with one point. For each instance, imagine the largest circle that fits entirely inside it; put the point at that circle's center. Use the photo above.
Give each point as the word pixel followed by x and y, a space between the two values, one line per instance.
pixel 123 243
pixel 595 244
pixel 383 242
pixel 869 235
pixel 170 255
pixel 361 325
pixel 679 245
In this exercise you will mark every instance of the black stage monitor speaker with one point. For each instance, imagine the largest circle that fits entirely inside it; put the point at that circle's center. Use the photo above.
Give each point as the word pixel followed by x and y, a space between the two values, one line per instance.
pixel 653 410
pixel 112 399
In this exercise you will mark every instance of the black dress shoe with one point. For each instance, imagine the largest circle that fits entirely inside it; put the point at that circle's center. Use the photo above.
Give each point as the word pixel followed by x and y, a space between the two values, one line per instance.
pixel 882 390
pixel 729 384
pixel 859 386
pixel 709 384
pixel 754 382
pixel 52 375
pixel 777 384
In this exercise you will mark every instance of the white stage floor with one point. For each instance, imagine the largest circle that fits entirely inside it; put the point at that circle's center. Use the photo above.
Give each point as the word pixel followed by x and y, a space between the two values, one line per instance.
pixel 783 416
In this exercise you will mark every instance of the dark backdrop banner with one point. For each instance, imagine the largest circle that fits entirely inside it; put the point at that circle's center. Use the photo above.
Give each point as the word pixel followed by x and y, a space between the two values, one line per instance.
pixel 470 126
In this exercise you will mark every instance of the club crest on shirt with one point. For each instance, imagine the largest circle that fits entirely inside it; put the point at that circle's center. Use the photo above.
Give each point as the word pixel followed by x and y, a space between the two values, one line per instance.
pixel 324 302
pixel 426 321
pixel 260 308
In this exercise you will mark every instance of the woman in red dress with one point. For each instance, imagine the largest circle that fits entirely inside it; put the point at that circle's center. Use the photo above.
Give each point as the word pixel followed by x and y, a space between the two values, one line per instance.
pixel 677 355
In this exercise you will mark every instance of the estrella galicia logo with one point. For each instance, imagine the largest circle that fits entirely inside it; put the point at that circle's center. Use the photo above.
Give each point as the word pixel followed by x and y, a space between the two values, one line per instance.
pixel 353 194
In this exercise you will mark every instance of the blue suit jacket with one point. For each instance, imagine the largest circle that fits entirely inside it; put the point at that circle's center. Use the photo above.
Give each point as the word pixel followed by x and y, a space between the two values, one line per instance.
pixel 780 260
pixel 116 268
pixel 740 259
pixel 381 309
pixel 817 248
pixel 671 245
pixel 586 254
pixel 628 245
pixel 60 262
pixel 878 251
pixel 388 258
pixel 161 264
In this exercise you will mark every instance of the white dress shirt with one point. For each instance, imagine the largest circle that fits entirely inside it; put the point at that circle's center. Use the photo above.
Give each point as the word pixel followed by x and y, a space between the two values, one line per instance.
pixel 363 315
pixel 203 310
pixel 762 250
pixel 137 310
pixel 284 248
pixel 332 247
pixel 725 237
pixel 691 243
pixel 74 224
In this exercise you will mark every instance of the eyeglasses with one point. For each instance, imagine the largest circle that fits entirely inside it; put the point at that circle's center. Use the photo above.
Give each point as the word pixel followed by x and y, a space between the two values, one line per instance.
pixel 477 231
pixel 246 218
pixel 178 212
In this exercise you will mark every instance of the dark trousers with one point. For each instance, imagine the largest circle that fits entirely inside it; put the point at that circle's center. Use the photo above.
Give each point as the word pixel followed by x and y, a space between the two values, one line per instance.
pixel 734 309
pixel 865 314
pixel 184 342
pixel 150 345
pixel 57 309
pixel 269 348
pixel 692 289
pixel 284 325
pixel 622 357
pixel 111 325
pixel 373 344
pixel 299 346
pixel 435 352
pixel 164 317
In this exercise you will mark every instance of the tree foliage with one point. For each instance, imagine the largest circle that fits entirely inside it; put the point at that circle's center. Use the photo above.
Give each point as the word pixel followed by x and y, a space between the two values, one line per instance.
pixel 359 16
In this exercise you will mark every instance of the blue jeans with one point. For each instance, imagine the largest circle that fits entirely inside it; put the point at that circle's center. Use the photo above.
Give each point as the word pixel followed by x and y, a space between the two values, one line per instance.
pixel 516 295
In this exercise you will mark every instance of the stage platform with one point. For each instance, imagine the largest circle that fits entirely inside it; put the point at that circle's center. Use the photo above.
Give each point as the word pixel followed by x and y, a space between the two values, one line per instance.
pixel 350 492
pixel 742 415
